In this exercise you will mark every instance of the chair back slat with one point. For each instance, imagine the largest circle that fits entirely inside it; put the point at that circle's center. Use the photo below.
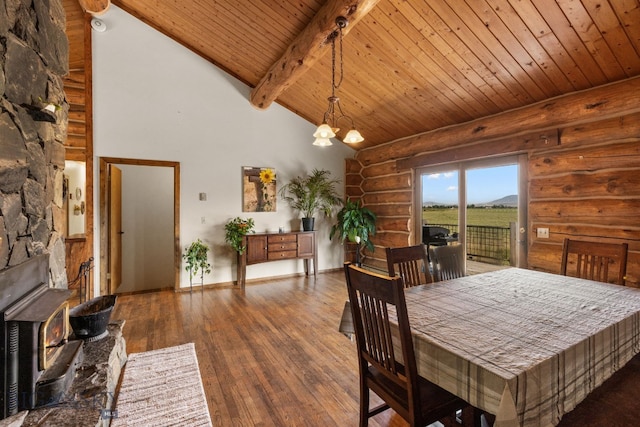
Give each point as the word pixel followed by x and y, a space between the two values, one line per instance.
pixel 410 263
pixel 599 261
pixel 377 333
pixel 448 262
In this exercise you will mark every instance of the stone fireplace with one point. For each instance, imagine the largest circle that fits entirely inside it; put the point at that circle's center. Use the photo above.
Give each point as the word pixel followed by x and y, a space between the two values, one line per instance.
pixel 33 61
pixel 33 127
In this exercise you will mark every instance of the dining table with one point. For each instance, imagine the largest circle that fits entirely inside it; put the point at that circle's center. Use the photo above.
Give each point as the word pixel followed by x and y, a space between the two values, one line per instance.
pixel 526 346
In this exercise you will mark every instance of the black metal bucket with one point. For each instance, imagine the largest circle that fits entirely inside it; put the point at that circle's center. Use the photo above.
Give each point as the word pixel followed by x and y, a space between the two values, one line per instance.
pixel 90 319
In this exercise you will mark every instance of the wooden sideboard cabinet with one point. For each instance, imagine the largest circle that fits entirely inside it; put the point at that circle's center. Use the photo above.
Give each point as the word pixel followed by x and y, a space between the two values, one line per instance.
pixel 265 247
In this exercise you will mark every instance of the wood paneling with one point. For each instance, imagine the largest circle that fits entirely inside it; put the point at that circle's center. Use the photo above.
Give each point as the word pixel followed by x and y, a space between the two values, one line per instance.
pixel 589 191
pixel 94 7
pixel 581 108
pixel 585 187
pixel 79 142
pixel 509 145
pixel 398 181
pixel 614 183
pixel 412 66
pixel 605 155
pixel 388 197
pixel 75 35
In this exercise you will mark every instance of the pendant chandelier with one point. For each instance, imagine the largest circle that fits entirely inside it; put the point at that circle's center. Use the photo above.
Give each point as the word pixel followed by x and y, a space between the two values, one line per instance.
pixel 334 113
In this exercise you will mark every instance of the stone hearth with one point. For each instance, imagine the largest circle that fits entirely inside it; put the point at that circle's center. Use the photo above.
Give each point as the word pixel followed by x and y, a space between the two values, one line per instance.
pixel 91 397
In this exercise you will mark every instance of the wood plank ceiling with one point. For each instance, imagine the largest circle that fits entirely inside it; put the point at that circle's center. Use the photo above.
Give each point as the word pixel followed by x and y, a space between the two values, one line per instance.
pixel 412 66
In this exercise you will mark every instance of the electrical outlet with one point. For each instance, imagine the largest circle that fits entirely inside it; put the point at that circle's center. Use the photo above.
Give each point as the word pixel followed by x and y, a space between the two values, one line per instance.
pixel 203 220
pixel 543 233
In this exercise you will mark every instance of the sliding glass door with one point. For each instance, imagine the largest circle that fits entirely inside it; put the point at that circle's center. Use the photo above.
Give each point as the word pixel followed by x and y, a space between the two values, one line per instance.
pixel 479 204
pixel 440 221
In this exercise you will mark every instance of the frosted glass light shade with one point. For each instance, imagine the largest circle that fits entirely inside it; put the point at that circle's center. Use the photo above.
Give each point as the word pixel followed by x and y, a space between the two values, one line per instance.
pixel 324 131
pixel 322 142
pixel 353 136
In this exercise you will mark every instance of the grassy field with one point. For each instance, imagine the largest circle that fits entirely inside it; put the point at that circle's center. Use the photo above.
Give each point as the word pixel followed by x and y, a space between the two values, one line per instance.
pixel 498 217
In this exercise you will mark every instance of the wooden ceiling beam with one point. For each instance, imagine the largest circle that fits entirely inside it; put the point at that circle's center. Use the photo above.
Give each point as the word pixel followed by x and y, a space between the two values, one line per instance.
pixel 307 48
pixel 95 7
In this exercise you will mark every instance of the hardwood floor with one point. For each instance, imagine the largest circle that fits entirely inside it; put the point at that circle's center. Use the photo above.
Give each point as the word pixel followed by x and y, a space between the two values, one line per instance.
pixel 269 356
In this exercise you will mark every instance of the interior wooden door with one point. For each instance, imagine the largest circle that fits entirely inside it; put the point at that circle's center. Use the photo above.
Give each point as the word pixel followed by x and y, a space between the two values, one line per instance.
pixel 114 276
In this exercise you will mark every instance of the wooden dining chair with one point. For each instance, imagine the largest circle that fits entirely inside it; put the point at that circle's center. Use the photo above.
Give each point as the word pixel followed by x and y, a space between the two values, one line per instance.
pixel 411 263
pixel 599 261
pixel 448 262
pixel 415 399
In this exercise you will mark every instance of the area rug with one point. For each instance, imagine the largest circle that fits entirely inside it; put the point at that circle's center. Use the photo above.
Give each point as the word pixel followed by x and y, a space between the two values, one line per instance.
pixel 162 388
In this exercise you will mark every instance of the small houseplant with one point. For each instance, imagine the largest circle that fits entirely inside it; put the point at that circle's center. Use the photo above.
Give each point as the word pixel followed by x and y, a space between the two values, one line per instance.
pixel 235 230
pixel 196 258
pixel 355 223
pixel 313 193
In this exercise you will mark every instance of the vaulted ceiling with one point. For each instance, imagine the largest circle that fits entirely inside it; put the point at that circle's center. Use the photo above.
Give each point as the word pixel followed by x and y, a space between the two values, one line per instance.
pixel 410 66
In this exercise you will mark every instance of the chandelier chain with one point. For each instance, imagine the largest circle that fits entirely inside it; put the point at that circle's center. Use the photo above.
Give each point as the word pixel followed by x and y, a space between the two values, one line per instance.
pixel 336 34
pixel 334 113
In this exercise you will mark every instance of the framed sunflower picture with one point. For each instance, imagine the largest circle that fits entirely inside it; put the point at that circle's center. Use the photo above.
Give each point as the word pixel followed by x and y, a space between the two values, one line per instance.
pixel 258 189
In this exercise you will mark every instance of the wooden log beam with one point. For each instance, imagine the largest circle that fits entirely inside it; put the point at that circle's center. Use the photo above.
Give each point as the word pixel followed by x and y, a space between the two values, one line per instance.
pixel 583 107
pixel 511 145
pixel 307 48
pixel 95 7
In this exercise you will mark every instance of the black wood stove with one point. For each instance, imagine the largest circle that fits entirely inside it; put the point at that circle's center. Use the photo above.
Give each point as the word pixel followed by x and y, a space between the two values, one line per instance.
pixel 38 362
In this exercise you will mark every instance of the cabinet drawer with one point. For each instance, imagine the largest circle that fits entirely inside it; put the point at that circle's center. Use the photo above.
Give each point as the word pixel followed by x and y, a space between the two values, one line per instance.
pixel 280 238
pixel 282 255
pixel 284 246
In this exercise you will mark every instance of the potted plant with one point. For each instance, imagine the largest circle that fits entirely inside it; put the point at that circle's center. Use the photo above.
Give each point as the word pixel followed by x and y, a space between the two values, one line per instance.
pixel 235 230
pixel 356 223
pixel 196 258
pixel 310 194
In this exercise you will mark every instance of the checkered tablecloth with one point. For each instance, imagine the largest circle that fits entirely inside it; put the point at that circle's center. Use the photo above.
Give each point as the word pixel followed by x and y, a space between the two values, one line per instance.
pixel 524 345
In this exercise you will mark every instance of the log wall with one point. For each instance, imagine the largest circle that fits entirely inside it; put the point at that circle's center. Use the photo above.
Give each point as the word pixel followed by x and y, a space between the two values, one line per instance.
pixel 583 182
pixel 79 141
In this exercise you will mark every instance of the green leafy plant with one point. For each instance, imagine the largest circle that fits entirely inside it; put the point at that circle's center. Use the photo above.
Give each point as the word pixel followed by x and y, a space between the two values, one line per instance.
pixel 235 230
pixel 312 193
pixel 196 258
pixel 356 223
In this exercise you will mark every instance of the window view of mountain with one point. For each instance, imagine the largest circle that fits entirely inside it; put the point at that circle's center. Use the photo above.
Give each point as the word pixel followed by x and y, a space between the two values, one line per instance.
pixel 510 201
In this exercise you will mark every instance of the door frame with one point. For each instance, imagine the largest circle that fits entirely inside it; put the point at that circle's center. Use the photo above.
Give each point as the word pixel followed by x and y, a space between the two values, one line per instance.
pixel 104 215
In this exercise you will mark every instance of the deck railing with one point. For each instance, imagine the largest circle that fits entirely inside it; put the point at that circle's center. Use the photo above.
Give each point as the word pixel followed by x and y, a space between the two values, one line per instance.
pixel 487 243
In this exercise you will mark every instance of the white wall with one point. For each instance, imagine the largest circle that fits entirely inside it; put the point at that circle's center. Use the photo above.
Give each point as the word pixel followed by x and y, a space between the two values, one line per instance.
pixel 154 99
